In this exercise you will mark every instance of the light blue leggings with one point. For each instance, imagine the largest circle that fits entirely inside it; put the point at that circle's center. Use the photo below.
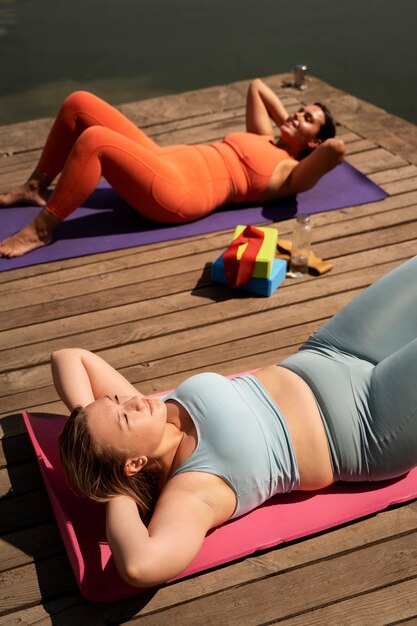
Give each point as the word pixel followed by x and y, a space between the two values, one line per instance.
pixel 362 368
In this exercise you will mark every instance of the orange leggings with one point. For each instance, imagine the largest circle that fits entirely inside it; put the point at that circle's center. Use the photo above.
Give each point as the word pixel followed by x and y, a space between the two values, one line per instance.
pixel 90 139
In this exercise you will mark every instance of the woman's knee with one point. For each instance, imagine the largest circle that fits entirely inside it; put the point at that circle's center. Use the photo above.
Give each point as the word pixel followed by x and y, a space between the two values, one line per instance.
pixel 78 101
pixel 93 139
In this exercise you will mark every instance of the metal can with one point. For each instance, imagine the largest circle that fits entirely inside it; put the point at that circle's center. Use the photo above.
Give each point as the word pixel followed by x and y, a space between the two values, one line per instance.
pixel 300 81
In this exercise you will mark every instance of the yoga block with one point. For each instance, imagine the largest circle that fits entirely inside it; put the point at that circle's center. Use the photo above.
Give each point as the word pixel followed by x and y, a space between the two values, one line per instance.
pixel 266 254
pixel 262 286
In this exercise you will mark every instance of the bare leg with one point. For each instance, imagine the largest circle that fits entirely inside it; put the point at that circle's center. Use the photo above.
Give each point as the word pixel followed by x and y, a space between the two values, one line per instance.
pixel 37 233
pixel 33 192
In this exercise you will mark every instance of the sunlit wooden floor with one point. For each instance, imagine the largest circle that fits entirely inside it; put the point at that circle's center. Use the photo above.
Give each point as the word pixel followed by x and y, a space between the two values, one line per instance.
pixel 152 312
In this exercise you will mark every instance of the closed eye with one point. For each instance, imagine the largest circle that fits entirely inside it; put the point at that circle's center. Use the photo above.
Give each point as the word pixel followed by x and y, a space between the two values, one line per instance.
pixel 124 414
pixel 307 115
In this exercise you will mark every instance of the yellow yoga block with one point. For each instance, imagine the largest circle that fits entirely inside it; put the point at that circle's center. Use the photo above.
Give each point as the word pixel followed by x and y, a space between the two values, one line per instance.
pixel 266 254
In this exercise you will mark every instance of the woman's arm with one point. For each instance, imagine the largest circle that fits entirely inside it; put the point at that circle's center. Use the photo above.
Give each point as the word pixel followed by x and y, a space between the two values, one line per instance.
pixel 301 176
pixel 80 377
pixel 188 507
pixel 262 108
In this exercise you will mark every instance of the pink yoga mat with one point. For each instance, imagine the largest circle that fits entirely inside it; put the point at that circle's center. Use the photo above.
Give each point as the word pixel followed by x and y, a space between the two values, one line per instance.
pixel 106 222
pixel 283 518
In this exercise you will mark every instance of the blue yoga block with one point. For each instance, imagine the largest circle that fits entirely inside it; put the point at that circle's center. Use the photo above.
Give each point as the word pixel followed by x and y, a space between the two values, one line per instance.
pixel 262 286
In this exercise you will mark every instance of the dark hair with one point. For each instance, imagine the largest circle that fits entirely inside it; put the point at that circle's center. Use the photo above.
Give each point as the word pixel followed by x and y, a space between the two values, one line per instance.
pixel 99 473
pixel 328 128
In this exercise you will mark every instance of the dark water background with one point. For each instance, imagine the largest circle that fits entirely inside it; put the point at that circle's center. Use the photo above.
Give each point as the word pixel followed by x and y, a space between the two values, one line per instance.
pixel 126 50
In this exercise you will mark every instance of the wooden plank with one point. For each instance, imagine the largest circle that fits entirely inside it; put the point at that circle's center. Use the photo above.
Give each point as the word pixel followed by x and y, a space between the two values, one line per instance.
pixel 133 334
pixel 110 281
pixel 194 332
pixel 327 581
pixel 387 176
pixel 61 612
pixel 19 479
pixel 115 261
pixel 375 160
pixel 109 287
pixel 24 511
pixel 102 300
pixel 30 545
pixel 57 271
pixel 178 305
pixel 10 426
pixel 149 349
pixel 15 450
pixel 279 561
pixel 17 171
pixel 25 586
pixel 359 146
pixel 332 242
pixel 356 262
pixel 377 608
pixel 399 186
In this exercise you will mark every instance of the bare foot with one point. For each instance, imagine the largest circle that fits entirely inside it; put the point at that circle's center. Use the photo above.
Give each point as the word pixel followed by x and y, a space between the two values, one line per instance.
pixel 23 195
pixel 37 233
pixel 33 192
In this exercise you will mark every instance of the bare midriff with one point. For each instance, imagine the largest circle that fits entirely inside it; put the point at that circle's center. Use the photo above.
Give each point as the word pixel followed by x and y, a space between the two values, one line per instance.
pixel 299 407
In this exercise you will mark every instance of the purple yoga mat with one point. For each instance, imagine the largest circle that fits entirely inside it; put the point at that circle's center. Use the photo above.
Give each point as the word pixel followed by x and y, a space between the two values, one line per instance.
pixel 106 222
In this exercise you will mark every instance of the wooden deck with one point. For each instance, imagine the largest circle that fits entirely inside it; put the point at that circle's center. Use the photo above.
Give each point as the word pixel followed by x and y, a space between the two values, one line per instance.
pixel 152 312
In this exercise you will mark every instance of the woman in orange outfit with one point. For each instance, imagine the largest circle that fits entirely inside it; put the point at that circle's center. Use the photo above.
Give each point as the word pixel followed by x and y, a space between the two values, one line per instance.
pixel 174 184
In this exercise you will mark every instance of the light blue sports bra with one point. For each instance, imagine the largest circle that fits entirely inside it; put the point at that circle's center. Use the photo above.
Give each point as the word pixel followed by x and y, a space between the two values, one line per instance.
pixel 242 437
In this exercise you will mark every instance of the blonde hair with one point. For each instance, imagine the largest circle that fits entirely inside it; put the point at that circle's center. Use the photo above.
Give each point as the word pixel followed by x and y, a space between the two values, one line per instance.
pixel 98 472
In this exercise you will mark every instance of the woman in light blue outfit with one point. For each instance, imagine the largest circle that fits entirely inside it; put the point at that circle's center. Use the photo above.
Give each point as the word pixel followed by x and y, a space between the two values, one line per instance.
pixel 362 368
pixel 344 407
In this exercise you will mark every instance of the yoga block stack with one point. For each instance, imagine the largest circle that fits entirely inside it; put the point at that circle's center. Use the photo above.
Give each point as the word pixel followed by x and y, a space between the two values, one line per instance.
pixel 268 272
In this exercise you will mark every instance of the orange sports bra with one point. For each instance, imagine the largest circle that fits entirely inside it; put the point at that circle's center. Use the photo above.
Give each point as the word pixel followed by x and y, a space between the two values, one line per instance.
pixel 251 160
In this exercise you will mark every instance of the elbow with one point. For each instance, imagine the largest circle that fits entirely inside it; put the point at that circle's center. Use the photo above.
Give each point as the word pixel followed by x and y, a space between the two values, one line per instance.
pixel 141 576
pixel 255 84
pixel 150 569
pixel 57 355
pixel 63 352
pixel 336 149
pixel 132 576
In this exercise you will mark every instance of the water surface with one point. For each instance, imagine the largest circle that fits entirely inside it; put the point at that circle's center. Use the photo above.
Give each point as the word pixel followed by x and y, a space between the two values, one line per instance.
pixel 126 50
